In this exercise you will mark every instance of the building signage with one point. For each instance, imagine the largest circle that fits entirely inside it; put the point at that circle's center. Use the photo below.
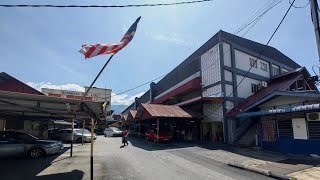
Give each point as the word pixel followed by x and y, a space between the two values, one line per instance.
pixel 72 92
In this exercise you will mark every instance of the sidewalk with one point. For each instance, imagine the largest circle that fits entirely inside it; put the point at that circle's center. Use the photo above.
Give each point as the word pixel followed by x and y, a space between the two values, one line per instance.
pixel 268 163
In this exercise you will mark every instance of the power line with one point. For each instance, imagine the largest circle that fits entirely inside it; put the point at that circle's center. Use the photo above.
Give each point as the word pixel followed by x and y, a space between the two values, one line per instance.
pixel 300 6
pixel 255 19
pixel 265 8
pixel 101 6
pixel 137 86
pixel 265 46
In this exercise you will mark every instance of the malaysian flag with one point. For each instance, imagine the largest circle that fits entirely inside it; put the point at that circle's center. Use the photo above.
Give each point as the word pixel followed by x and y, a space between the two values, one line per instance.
pixel 90 51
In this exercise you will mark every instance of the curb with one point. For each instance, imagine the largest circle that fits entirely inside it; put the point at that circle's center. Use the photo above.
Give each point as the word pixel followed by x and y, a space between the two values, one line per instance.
pixel 260 171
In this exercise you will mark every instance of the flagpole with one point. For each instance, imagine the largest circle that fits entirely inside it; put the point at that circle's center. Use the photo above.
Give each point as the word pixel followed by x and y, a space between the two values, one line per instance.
pixel 96 78
pixel 92 125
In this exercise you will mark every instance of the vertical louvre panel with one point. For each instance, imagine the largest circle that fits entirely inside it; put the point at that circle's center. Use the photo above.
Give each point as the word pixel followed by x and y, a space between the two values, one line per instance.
pixel 284 125
pixel 314 129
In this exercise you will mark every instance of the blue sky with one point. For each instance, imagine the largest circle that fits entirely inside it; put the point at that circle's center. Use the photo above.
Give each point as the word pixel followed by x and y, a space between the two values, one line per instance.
pixel 40 46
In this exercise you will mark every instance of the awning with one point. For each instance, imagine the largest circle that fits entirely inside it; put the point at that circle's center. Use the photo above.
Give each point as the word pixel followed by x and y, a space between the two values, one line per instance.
pixel 132 114
pixel 310 107
pixel 153 111
pixel 44 107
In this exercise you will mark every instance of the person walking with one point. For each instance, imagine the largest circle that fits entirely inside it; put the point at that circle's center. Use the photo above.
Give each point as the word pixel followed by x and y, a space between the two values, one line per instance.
pixel 124 137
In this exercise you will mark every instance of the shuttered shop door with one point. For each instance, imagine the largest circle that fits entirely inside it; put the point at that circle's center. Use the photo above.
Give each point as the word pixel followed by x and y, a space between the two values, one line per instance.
pixel 314 129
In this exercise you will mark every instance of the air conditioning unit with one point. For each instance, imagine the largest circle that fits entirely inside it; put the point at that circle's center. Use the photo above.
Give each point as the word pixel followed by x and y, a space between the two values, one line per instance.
pixel 263 84
pixel 313 116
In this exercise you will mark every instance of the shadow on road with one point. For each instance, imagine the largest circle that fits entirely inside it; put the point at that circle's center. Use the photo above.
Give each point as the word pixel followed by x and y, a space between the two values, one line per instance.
pixel 151 146
pixel 248 152
pixel 27 168
pixel 73 175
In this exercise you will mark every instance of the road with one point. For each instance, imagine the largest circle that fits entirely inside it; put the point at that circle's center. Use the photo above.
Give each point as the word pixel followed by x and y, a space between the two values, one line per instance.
pixel 140 160
pixel 147 160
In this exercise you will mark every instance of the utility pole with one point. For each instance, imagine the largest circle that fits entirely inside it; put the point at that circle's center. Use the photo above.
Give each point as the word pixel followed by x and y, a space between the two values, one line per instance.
pixel 315 20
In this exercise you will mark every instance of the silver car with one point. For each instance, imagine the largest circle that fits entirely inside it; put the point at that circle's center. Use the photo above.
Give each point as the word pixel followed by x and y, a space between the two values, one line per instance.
pixel 65 135
pixel 21 144
pixel 112 132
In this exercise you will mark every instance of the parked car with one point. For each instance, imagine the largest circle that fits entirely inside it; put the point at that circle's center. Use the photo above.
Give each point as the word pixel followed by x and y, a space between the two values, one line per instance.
pixel 22 144
pixel 65 135
pixel 163 136
pixel 99 131
pixel 112 132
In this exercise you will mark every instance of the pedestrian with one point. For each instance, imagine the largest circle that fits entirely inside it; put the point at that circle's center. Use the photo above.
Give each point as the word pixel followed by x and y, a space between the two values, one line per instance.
pixel 124 137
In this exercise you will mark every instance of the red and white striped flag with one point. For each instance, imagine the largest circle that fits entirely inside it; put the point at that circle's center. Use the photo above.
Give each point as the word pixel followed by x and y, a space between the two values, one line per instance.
pixel 90 51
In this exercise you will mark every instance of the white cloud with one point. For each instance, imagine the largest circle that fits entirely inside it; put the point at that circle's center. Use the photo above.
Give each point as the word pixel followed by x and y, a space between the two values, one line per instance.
pixel 124 99
pixel 70 87
pixel 175 38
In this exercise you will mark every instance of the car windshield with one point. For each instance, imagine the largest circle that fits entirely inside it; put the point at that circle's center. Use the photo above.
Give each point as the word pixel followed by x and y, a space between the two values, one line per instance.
pixel 26 137
pixel 79 131
pixel 115 129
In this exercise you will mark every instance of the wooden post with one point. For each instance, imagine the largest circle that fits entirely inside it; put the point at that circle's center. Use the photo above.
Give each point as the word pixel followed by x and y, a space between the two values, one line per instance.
pixel 139 128
pixel 83 124
pixel 4 125
pixel 158 130
pixel 91 152
pixel 72 128
pixel 201 132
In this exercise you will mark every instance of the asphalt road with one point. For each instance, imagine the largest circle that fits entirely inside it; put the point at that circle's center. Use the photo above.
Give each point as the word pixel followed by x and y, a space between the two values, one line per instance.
pixel 140 160
pixel 147 160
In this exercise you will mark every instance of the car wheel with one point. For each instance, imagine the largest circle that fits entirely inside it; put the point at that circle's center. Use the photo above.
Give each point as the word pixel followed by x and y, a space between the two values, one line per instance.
pixel 105 135
pixel 79 140
pixel 36 152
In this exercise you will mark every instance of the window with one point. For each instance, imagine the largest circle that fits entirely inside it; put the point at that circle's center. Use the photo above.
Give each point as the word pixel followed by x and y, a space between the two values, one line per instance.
pixel 285 128
pixel 275 70
pixel 254 88
pixel 264 66
pixel 253 62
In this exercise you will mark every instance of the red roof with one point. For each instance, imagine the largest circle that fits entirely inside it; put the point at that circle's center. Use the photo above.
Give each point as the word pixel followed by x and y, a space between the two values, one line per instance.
pixel 125 117
pixel 159 110
pixel 133 113
pixel 281 83
pixel 11 84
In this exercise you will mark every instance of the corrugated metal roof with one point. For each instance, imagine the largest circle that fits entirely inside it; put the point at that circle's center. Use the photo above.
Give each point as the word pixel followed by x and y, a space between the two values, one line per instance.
pixel 158 110
pixel 125 117
pixel 17 104
pixel 133 113
pixel 310 107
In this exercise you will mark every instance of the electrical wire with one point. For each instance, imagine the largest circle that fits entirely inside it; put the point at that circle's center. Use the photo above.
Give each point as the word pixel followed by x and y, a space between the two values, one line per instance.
pixel 300 6
pixel 266 45
pixel 313 69
pixel 263 10
pixel 254 21
pixel 117 94
pixel 101 6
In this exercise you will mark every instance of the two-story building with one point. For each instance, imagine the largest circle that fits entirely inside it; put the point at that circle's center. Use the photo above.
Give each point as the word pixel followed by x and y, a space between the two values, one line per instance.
pixel 215 79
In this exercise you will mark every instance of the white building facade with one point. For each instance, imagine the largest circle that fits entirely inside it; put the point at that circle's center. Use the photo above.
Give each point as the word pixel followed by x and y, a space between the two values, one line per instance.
pixel 95 94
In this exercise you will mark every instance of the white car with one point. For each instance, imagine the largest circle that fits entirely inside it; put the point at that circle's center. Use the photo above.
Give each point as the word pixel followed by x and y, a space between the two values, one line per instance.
pixel 112 132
